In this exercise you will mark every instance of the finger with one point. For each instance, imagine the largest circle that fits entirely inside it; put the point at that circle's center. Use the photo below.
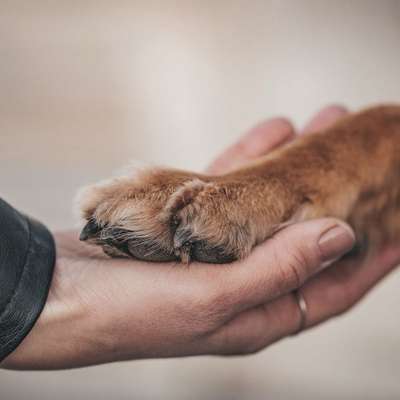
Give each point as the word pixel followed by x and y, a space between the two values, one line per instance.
pixel 257 142
pixel 330 293
pixel 338 289
pixel 256 328
pixel 285 262
pixel 325 118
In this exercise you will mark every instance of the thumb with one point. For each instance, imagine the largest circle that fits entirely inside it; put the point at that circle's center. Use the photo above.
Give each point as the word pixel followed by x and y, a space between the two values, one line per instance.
pixel 287 260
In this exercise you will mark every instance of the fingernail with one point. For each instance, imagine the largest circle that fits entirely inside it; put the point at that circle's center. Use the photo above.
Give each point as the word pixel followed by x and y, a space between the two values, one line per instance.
pixel 335 242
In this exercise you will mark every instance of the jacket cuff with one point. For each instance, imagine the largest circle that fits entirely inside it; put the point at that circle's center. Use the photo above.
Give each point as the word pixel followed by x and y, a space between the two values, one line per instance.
pixel 27 258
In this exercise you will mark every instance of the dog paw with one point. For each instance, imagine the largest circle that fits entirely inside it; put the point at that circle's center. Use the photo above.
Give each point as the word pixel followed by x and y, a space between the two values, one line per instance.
pixel 169 215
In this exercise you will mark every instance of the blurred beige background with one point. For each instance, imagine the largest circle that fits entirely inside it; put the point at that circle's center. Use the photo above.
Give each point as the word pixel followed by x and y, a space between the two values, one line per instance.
pixel 85 86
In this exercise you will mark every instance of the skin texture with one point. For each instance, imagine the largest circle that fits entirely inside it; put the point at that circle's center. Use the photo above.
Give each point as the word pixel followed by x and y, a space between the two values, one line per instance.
pixel 103 310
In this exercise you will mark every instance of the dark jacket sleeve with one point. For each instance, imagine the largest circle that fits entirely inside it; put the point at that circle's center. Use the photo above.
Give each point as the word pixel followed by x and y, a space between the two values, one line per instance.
pixel 27 257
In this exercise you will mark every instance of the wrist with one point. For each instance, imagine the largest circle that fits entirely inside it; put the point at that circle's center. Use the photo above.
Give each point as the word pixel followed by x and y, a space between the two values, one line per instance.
pixel 66 334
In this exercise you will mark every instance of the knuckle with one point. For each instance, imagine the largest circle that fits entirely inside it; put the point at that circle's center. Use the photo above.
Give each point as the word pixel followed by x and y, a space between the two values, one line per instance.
pixel 294 263
pixel 252 347
pixel 341 296
pixel 244 350
pixel 346 290
pixel 347 297
pixel 207 307
pixel 240 346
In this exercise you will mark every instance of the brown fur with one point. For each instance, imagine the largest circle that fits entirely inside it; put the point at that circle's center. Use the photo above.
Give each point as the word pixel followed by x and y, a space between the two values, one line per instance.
pixel 350 171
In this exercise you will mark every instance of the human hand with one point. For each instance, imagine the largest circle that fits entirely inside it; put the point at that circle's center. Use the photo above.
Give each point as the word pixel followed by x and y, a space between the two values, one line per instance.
pixel 102 310
pixel 338 288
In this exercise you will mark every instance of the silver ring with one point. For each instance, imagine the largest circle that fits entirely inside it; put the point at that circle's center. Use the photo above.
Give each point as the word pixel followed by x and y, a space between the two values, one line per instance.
pixel 302 305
